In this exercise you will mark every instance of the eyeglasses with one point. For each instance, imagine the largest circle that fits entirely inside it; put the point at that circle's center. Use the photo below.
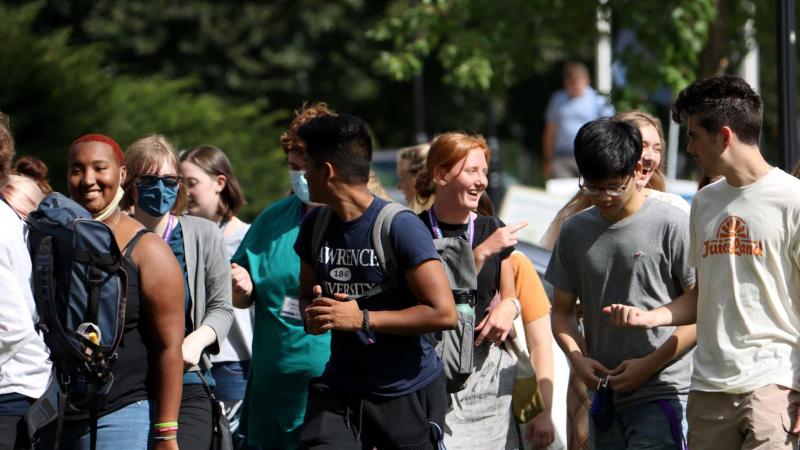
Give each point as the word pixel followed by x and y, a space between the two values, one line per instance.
pixel 611 191
pixel 168 180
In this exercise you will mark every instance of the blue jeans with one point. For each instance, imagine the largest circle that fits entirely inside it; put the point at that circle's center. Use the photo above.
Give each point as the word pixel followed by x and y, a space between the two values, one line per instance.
pixel 642 426
pixel 127 428
pixel 231 380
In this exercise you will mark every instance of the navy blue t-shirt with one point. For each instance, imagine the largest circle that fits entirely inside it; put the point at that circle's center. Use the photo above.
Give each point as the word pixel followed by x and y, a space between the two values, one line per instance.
pixel 393 365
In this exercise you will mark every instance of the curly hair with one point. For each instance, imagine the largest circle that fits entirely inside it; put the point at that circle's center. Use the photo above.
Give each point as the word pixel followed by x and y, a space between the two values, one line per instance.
pixel 722 101
pixel 290 140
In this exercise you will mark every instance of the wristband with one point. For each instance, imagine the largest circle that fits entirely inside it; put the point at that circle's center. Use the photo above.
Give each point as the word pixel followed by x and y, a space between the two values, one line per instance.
pixel 365 322
pixel 165 424
pixel 165 438
pixel 165 429
pixel 517 306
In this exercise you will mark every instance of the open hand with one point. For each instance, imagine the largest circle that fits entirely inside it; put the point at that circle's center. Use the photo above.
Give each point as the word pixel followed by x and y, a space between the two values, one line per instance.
pixel 629 316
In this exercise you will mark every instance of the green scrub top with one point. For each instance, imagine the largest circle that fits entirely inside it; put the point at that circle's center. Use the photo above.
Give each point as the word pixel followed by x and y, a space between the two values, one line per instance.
pixel 284 357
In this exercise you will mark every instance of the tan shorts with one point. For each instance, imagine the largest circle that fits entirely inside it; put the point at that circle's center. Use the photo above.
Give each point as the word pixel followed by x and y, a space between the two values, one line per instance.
pixel 759 419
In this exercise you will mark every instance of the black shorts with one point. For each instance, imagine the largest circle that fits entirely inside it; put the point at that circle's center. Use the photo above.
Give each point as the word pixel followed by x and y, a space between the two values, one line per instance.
pixel 336 420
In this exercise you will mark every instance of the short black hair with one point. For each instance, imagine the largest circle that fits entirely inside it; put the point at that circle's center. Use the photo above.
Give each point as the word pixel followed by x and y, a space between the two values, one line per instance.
pixel 722 101
pixel 607 148
pixel 341 140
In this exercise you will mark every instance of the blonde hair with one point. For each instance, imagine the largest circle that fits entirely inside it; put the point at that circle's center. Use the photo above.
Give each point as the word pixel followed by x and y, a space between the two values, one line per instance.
pixel 22 194
pixel 641 119
pixel 146 156
pixel 445 152
pixel 375 187
pixel 411 161
pixel 6 148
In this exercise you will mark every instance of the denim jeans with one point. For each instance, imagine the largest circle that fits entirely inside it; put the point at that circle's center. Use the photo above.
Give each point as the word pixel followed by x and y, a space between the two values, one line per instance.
pixel 231 379
pixel 642 426
pixel 127 428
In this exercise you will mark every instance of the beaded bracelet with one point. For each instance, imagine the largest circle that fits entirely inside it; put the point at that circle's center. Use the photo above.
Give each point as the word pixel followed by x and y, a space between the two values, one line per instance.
pixel 165 438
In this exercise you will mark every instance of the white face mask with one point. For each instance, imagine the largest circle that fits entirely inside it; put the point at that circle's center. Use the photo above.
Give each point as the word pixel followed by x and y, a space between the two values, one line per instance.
pixel 300 185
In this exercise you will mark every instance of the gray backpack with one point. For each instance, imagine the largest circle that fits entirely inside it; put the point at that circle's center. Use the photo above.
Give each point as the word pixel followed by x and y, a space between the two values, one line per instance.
pixel 454 347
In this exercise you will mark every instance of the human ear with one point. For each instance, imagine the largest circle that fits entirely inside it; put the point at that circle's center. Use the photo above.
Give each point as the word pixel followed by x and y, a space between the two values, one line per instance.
pixel 123 174
pixel 727 135
pixel 220 183
pixel 439 176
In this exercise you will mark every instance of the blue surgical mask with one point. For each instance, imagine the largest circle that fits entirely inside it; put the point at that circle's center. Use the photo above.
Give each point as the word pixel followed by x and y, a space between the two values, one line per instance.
pixel 300 185
pixel 156 198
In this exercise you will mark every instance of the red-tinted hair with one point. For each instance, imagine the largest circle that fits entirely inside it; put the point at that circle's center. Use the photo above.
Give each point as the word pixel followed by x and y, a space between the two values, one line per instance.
pixel 445 152
pixel 105 140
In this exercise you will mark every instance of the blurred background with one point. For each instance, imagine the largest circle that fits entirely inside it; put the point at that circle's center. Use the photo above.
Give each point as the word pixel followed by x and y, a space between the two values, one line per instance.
pixel 231 73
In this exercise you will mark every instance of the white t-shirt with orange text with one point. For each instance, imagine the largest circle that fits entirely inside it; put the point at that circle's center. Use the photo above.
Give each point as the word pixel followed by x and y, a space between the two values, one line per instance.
pixel 746 248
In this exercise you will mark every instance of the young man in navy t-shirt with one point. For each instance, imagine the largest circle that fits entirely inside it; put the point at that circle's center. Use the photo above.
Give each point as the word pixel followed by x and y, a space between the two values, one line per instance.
pixel 383 385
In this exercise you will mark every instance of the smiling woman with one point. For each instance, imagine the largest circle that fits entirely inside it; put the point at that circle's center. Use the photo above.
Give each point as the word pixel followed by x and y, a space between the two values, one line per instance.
pixel 455 176
pixel 153 310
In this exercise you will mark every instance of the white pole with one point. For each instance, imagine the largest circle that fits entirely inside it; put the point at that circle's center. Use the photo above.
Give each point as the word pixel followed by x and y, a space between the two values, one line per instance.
pixel 672 150
pixel 603 56
pixel 749 67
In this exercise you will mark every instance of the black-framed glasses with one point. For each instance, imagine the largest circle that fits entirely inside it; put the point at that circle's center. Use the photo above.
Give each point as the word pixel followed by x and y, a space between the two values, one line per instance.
pixel 168 180
pixel 611 191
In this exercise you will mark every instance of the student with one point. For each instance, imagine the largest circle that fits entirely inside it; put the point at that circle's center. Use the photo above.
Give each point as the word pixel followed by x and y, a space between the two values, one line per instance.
pixel 383 386
pixel 745 232
pixel 24 363
pixel 454 178
pixel 410 163
pixel 283 353
pixel 147 373
pixel 632 248
pixel 154 187
pixel 214 194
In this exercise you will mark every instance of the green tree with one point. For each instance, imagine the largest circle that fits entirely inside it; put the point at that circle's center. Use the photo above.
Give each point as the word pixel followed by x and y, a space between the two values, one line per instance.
pixel 54 92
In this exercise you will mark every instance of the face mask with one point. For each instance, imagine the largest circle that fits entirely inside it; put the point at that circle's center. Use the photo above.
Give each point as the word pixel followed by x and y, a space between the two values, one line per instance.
pixel 300 185
pixel 155 198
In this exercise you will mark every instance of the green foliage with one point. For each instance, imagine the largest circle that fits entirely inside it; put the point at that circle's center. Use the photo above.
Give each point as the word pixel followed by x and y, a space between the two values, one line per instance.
pixel 55 92
pixel 483 45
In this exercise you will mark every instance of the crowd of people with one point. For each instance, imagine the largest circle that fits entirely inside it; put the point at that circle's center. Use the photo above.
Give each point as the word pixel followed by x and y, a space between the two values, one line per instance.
pixel 342 320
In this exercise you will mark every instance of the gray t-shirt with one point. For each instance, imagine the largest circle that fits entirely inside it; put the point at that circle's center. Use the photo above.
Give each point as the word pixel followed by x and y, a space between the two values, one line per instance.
pixel 641 261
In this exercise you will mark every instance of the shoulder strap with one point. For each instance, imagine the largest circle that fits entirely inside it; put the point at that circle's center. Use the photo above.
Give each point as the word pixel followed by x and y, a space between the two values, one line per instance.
pixel 320 225
pixel 382 242
pixel 132 243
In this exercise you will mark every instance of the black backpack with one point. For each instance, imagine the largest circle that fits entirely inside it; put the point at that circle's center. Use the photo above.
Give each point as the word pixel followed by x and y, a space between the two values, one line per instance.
pixel 79 286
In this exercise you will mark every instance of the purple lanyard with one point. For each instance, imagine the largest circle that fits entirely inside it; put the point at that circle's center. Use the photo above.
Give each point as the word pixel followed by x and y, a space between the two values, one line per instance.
pixel 437 233
pixel 170 227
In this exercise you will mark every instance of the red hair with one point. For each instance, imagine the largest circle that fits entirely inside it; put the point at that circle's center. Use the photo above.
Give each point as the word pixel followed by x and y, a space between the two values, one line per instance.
pixel 445 152
pixel 105 140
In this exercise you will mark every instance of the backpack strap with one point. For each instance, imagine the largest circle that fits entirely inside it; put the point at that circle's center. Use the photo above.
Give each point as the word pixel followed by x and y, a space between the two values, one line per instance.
pixel 128 250
pixel 382 242
pixel 320 226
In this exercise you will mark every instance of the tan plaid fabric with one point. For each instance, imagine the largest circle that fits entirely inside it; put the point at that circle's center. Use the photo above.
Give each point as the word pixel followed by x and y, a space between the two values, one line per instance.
pixel 577 414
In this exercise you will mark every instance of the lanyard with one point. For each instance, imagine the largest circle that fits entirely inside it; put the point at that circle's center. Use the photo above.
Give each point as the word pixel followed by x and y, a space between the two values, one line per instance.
pixel 171 224
pixel 438 233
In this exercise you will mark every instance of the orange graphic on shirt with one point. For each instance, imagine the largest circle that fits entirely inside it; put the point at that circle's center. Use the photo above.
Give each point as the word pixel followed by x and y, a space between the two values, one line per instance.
pixel 733 238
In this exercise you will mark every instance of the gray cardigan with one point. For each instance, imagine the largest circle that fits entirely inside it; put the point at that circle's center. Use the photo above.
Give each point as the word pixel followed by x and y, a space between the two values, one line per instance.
pixel 209 275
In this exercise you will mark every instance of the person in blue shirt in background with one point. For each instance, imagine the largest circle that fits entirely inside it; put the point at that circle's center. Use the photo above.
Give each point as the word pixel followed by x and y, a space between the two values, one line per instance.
pixel 567 111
